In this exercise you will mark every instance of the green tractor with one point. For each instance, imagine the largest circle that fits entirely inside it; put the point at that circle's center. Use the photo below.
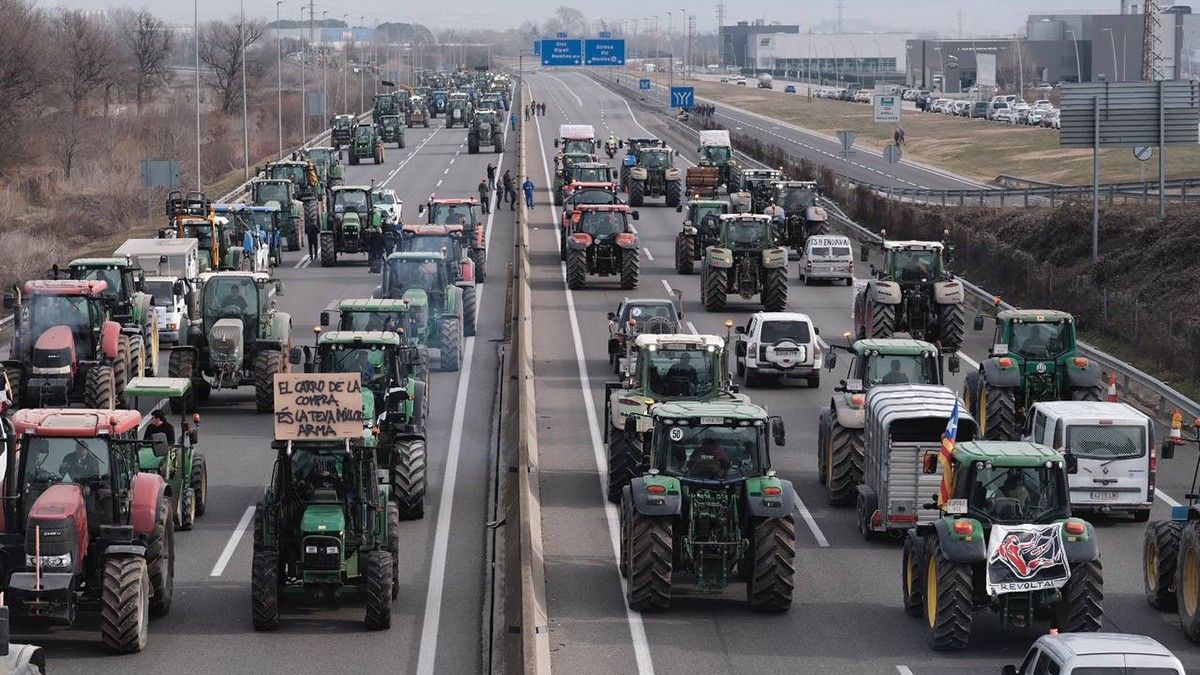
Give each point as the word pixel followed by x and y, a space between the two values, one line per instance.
pixel 1171 549
pixel 240 339
pixel 385 314
pixel 666 368
pixel 391 130
pixel 758 183
pixel 487 129
pixel 283 194
pixel 343 131
pixel 1033 358
pixel 384 105
pixel 653 174
pixel 744 261
pixel 395 402
pixel 701 229
pixel 182 468
pixel 458 110
pixel 367 145
pixel 329 165
pixel 323 523
pixel 710 508
pixel 310 191
pixel 1004 540
pixel 423 281
pixel 352 225
pixel 912 293
pixel 840 426
pixel 804 217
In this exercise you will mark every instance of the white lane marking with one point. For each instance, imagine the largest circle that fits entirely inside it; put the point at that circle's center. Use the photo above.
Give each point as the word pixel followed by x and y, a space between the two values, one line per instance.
pixel 637 630
pixel 569 90
pixel 802 509
pixel 903 670
pixel 692 327
pixel 439 183
pixel 648 253
pixel 452 160
pixel 446 171
pixel 231 545
pixel 974 365
pixel 1166 498
pixel 632 228
pixel 427 656
pixel 667 286
pixel 300 262
pixel 408 159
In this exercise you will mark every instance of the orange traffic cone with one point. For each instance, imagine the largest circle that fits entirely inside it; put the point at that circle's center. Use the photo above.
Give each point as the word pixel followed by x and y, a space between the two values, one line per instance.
pixel 1112 388
pixel 1176 436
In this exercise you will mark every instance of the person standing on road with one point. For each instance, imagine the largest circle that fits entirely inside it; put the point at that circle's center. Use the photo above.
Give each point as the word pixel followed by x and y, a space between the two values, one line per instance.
pixel 491 176
pixel 313 231
pixel 512 121
pixel 527 186
pixel 510 191
pixel 543 107
pixel 499 194
pixel 484 194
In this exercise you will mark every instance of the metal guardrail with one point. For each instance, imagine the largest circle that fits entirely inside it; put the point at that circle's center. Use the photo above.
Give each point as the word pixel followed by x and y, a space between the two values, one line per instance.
pixel 1183 192
pixel 1005 180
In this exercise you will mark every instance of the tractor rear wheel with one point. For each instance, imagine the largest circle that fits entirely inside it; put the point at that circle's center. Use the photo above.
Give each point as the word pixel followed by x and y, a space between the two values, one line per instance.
pixel 312 214
pixel 823 424
pixel 393 537
pixel 624 463
pixel 187 509
pixel 451 342
pixel 845 463
pixel 911 586
pixel 199 482
pixel 479 257
pixel 1160 557
pixel 121 369
pixel 773 548
pixel 472 144
pixel 181 363
pixel 264 590
pixel 948 610
pixel 576 268
pixel 880 320
pixel 469 311
pixel 685 253
pixel 408 478
pixel 15 383
pixel 630 268
pixel 125 605
pixel 1081 609
pixel 138 362
pixel 328 250
pixel 674 193
pixel 999 407
pixel 650 560
pixel 775 288
pixel 267 363
pixel 952 323
pixel 714 288
pixel 1187 580
pixel 377 583
pixel 160 558
pixel 98 390
pixel 637 193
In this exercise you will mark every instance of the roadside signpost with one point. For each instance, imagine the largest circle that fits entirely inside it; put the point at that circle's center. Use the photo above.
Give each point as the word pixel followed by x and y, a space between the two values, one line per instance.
pixel 887 108
pixel 683 97
pixel 847 140
pixel 892 153
pixel 643 84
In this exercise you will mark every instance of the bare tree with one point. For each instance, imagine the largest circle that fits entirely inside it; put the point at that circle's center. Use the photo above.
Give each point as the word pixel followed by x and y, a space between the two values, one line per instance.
pixel 148 41
pixel 23 72
pixel 221 50
pixel 86 54
pixel 71 131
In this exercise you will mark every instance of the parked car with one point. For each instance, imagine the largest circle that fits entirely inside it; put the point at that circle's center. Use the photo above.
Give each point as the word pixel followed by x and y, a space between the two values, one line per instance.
pixel 789 89
pixel 1021 113
pixel 1034 118
pixel 741 81
pixel 996 107
pixel 962 108
pixel 1050 120
pixel 863 96
pixel 1077 653
pixel 1004 114
pixel 978 109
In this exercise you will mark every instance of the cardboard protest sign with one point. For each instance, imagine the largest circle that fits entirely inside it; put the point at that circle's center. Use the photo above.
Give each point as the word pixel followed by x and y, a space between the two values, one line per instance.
pixel 314 406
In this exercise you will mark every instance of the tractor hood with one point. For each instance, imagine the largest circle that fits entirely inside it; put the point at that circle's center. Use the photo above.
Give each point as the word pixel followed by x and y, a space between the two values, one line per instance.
pixel 225 340
pixel 54 351
pixel 416 297
pixel 323 519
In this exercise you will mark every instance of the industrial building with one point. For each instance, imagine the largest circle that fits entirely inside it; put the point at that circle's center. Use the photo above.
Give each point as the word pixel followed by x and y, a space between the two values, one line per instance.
pixel 864 58
pixel 735 40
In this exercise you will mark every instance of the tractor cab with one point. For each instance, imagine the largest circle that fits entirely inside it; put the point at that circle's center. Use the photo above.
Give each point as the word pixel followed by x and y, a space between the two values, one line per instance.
pixel 680 367
pixel 235 311
pixel 265 224
pixel 375 314
pixel 635 145
pixel 912 262
pixel 705 213
pixel 759 183
pixel 378 356
pixel 602 222
pixel 656 158
pixel 464 212
pixel 485 116
pixel 295 171
pixel 591 172
pixel 1023 483
pixel 278 190
pixel 191 216
pixel 352 214
pixel 705 445
pixel 450 240
pixel 181 466
pixel 742 232
pixel 576 139
pixel 888 361
pixel 407 272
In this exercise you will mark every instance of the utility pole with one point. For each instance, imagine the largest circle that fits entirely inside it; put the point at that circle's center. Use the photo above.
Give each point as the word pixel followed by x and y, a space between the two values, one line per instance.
pixel 279 74
pixel 324 67
pixel 362 82
pixel 303 82
pixel 245 110
pixel 841 9
pixel 196 39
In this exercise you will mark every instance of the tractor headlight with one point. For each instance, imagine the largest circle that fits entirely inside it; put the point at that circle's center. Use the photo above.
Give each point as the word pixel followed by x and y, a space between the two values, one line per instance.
pixel 310 549
pixel 331 550
pixel 55 561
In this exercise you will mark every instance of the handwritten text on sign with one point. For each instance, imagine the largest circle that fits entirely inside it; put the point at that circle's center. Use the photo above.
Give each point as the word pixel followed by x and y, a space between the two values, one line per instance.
pixel 318 405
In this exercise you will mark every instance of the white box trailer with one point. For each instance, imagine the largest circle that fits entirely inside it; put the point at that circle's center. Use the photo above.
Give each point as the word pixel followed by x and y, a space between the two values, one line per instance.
pixel 715 138
pixel 904 422
pixel 163 257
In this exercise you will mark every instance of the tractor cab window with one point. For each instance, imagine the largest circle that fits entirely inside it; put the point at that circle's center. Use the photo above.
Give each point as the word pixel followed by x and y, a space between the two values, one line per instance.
pixel 452 214
pixel 915 265
pixel 385 197
pixel 161 292
pixel 1040 341
pixel 682 373
pixel 602 223
pixel 717 154
pixel 319 472
pixel 580 146
pixel 364 133
pixel 590 174
pixel 707 216
pixel 320 156
pixel 405 274
pixel 273 192
pixel 795 199
pixel 486 118
pixel 425 244
pixel 292 172
pixel 656 159
pixel 201 232
pixel 593 197
pixel 230 297
pixel 349 200
pixel 714 453
pixel 1016 494
pixel 48 461
pixel 899 369
pixel 644 313
pixel 747 233
pixel 369 360
pixel 385 321
pixel 109 275
pixel 48 311
pixel 774 331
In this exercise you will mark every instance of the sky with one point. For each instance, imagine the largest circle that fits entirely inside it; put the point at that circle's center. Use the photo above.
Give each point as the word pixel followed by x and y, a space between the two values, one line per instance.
pixel 979 17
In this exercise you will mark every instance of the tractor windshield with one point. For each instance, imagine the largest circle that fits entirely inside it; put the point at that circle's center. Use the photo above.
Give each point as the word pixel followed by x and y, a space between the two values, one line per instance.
pixel 364 133
pixel 161 292
pixel 485 118
pixel 656 159
pixel 344 122
pixel 370 360
pixel 602 223
pixel 202 232
pixel 320 156
pixel 405 273
pixel 386 321
pixel 349 200
pixel 235 297
pixel 701 213
pixel 316 468
pixel 437 244
pixel 577 146
pixel 590 174
pixel 1017 494
pixel 715 453
pixel 292 172
pixel 748 234
pixel 272 192
pixel 49 461
pixel 644 313
pixel 1040 341
pixel 681 373
pixel 48 311
pixel 110 275
pixel 900 369
pixel 452 214
pixel 795 199
pixel 593 197
pixel 916 265
pixel 717 154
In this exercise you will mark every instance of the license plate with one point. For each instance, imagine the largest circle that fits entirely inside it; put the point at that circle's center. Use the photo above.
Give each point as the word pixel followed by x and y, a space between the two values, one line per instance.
pixel 784 350
pixel 1104 496
pixel 712 420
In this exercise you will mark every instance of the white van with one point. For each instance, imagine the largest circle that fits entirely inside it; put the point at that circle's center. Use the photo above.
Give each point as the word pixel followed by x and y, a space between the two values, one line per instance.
pixel 1095 653
pixel 827 257
pixel 1113 446
pixel 170 298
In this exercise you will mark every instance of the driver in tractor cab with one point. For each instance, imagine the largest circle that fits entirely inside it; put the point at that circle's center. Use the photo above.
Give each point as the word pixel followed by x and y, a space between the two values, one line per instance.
pixel 680 376
pixel 894 375
pixel 80 465
pixel 611 142
pixel 1014 488
pixel 709 461
pixel 235 299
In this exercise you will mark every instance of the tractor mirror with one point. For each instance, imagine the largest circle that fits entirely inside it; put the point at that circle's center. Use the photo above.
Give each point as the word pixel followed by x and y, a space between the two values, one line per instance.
pixel 1168 449
pixel 10 301
pixel 978 322
pixel 740 330
pixel 1008 670
pixel 955 363
pixel 324 318
pixel 830 359
pixel 816 331
pixel 556 142
pixel 739 349
pixel 778 433
pixel 864 253
pixel 679 208
pixel 178 288
pixel 612 316
pixel 636 215
pixel 160 445
pixel 929 463
pixel 295 356
pixel 1072 464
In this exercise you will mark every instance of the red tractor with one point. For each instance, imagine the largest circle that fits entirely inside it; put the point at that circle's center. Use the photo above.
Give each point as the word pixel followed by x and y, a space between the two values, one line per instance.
pixel 467 213
pixel 586 193
pixel 454 242
pixel 600 240
pixel 82 526
pixel 65 347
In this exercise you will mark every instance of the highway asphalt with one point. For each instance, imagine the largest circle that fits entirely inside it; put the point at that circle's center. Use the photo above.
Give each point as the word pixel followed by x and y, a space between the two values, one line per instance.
pixel 438 617
pixel 846 616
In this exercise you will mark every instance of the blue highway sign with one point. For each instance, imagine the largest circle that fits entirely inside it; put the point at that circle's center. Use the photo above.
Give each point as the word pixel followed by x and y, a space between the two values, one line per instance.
pixel 643 83
pixel 562 52
pixel 683 97
pixel 604 53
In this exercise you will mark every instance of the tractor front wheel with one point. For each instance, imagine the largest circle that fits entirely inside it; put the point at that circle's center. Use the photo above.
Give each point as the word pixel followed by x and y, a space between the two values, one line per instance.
pixel 1160 557
pixel 312 214
pixel 999 407
pixel 912 587
pixel 264 590
pixel 576 268
pixel 121 369
pixel 469 311
pixel 880 320
pixel 199 482
pixel 328 250
pixel 451 343
pixel 377 583
pixel 1187 580
pixel 125 605
pixel 674 193
pixel 685 253
pixel 1081 609
pixel 845 463
pixel 775 288
pixel 187 509
pixel 160 558
pixel 138 365
pixel 267 363
pixel 952 323
pixel 770 586
pixel 650 560
pixel 637 193
pixel 408 478
pixel 714 288
pixel 98 390
pixel 15 383
pixel 948 606
pixel 630 268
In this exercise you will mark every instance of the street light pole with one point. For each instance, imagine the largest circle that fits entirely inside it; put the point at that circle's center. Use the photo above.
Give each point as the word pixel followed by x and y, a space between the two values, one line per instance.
pixel 324 67
pixel 279 74
pixel 362 82
pixel 346 65
pixel 1113 41
pixel 1078 67
pixel 303 80
pixel 196 38
pixel 245 111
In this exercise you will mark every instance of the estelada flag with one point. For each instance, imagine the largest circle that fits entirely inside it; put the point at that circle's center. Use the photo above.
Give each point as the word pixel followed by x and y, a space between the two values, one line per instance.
pixel 945 457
